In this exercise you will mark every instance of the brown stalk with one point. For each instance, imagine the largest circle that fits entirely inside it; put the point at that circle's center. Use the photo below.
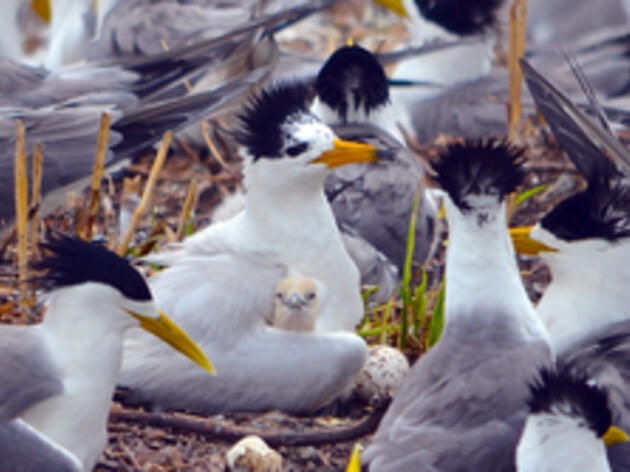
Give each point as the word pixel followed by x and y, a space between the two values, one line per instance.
pixel 38 161
pixel 516 50
pixel 184 215
pixel 97 171
pixel 147 193
pixel 21 209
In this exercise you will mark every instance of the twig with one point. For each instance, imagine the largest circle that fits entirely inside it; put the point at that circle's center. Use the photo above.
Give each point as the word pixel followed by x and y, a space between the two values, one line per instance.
pixel 188 203
pixel 21 208
pixel 516 50
pixel 36 199
pixel 97 171
pixel 217 429
pixel 146 194
pixel 213 149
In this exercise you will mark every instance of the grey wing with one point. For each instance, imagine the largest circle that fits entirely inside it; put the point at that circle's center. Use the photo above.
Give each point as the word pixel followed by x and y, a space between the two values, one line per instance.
pixel 24 449
pixel 471 109
pixel 17 78
pixel 605 358
pixel 461 407
pixel 28 374
pixel 591 148
pixel 564 21
pixel 376 200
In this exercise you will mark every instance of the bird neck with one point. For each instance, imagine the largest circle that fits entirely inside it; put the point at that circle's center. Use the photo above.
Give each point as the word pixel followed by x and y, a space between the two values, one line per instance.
pixel 588 291
pixel 559 442
pixel 87 349
pixel 482 278
pixel 383 116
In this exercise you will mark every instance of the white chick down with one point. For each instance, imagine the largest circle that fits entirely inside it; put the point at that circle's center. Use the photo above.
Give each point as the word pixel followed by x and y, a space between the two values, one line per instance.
pixel 251 454
pixel 296 304
pixel 382 374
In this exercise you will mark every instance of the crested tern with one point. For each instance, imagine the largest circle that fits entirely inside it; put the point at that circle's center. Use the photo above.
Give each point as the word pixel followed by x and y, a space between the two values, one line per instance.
pixel 220 283
pixel 58 377
pixel 462 405
pixel 569 426
pixel 584 241
pixel 352 93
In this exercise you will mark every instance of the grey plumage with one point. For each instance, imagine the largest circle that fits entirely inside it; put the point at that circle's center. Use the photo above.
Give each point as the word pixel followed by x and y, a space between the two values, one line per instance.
pixel 376 200
pixel 23 449
pixel 433 425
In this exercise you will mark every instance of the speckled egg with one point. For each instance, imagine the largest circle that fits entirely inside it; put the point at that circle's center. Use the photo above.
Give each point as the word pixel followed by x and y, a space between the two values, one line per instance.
pixel 382 374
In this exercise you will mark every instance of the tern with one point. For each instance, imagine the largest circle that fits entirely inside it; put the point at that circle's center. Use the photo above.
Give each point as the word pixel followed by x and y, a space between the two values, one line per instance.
pixel 220 283
pixel 585 242
pixel 569 427
pixel 58 377
pixel 374 200
pixel 462 405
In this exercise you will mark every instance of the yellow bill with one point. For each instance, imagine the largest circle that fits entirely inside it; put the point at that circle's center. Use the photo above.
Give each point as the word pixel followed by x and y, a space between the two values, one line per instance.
pixel 525 244
pixel 42 9
pixel 166 329
pixel 394 5
pixel 346 152
pixel 354 464
pixel 614 435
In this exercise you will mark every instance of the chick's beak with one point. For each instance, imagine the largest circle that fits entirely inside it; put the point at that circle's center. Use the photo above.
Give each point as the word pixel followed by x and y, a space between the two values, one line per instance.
pixel 166 329
pixel 614 435
pixel 346 152
pixel 394 5
pixel 525 244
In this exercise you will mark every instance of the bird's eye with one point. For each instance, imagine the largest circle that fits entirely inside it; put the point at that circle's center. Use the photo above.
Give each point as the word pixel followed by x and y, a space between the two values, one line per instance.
pixel 310 295
pixel 297 149
pixel 279 296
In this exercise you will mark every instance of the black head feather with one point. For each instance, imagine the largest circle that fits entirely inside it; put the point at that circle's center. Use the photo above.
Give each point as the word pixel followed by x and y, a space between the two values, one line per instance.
pixel 479 167
pixel 570 394
pixel 74 261
pixel 261 121
pixel 462 17
pixel 600 211
pixel 354 71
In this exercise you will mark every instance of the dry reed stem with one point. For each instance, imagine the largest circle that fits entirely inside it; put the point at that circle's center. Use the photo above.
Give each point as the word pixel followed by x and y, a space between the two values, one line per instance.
pixel 21 209
pixel 516 50
pixel 213 149
pixel 97 171
pixel 188 203
pixel 147 193
pixel 38 161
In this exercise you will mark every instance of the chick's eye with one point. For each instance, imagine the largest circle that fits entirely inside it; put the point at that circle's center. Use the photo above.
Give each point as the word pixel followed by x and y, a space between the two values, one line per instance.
pixel 279 296
pixel 310 295
pixel 297 149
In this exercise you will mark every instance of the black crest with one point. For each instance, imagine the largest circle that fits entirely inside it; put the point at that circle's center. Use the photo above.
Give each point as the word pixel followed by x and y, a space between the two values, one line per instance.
pixel 571 394
pixel 353 71
pixel 479 167
pixel 74 261
pixel 600 211
pixel 260 123
pixel 462 17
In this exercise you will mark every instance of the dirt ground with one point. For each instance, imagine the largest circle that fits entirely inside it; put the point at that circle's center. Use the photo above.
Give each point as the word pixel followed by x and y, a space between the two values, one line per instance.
pixel 145 442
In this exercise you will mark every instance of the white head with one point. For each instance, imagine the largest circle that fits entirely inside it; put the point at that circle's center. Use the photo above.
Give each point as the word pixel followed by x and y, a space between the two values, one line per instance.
pixel 296 304
pixel 568 427
pixel 286 146
pixel 585 241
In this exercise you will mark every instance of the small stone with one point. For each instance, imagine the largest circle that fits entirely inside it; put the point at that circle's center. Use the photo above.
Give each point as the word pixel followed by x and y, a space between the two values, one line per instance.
pixel 251 454
pixel 382 374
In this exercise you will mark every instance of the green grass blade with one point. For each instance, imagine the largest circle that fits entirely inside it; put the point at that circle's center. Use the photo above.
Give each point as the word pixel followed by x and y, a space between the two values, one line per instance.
pixel 529 193
pixel 437 319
